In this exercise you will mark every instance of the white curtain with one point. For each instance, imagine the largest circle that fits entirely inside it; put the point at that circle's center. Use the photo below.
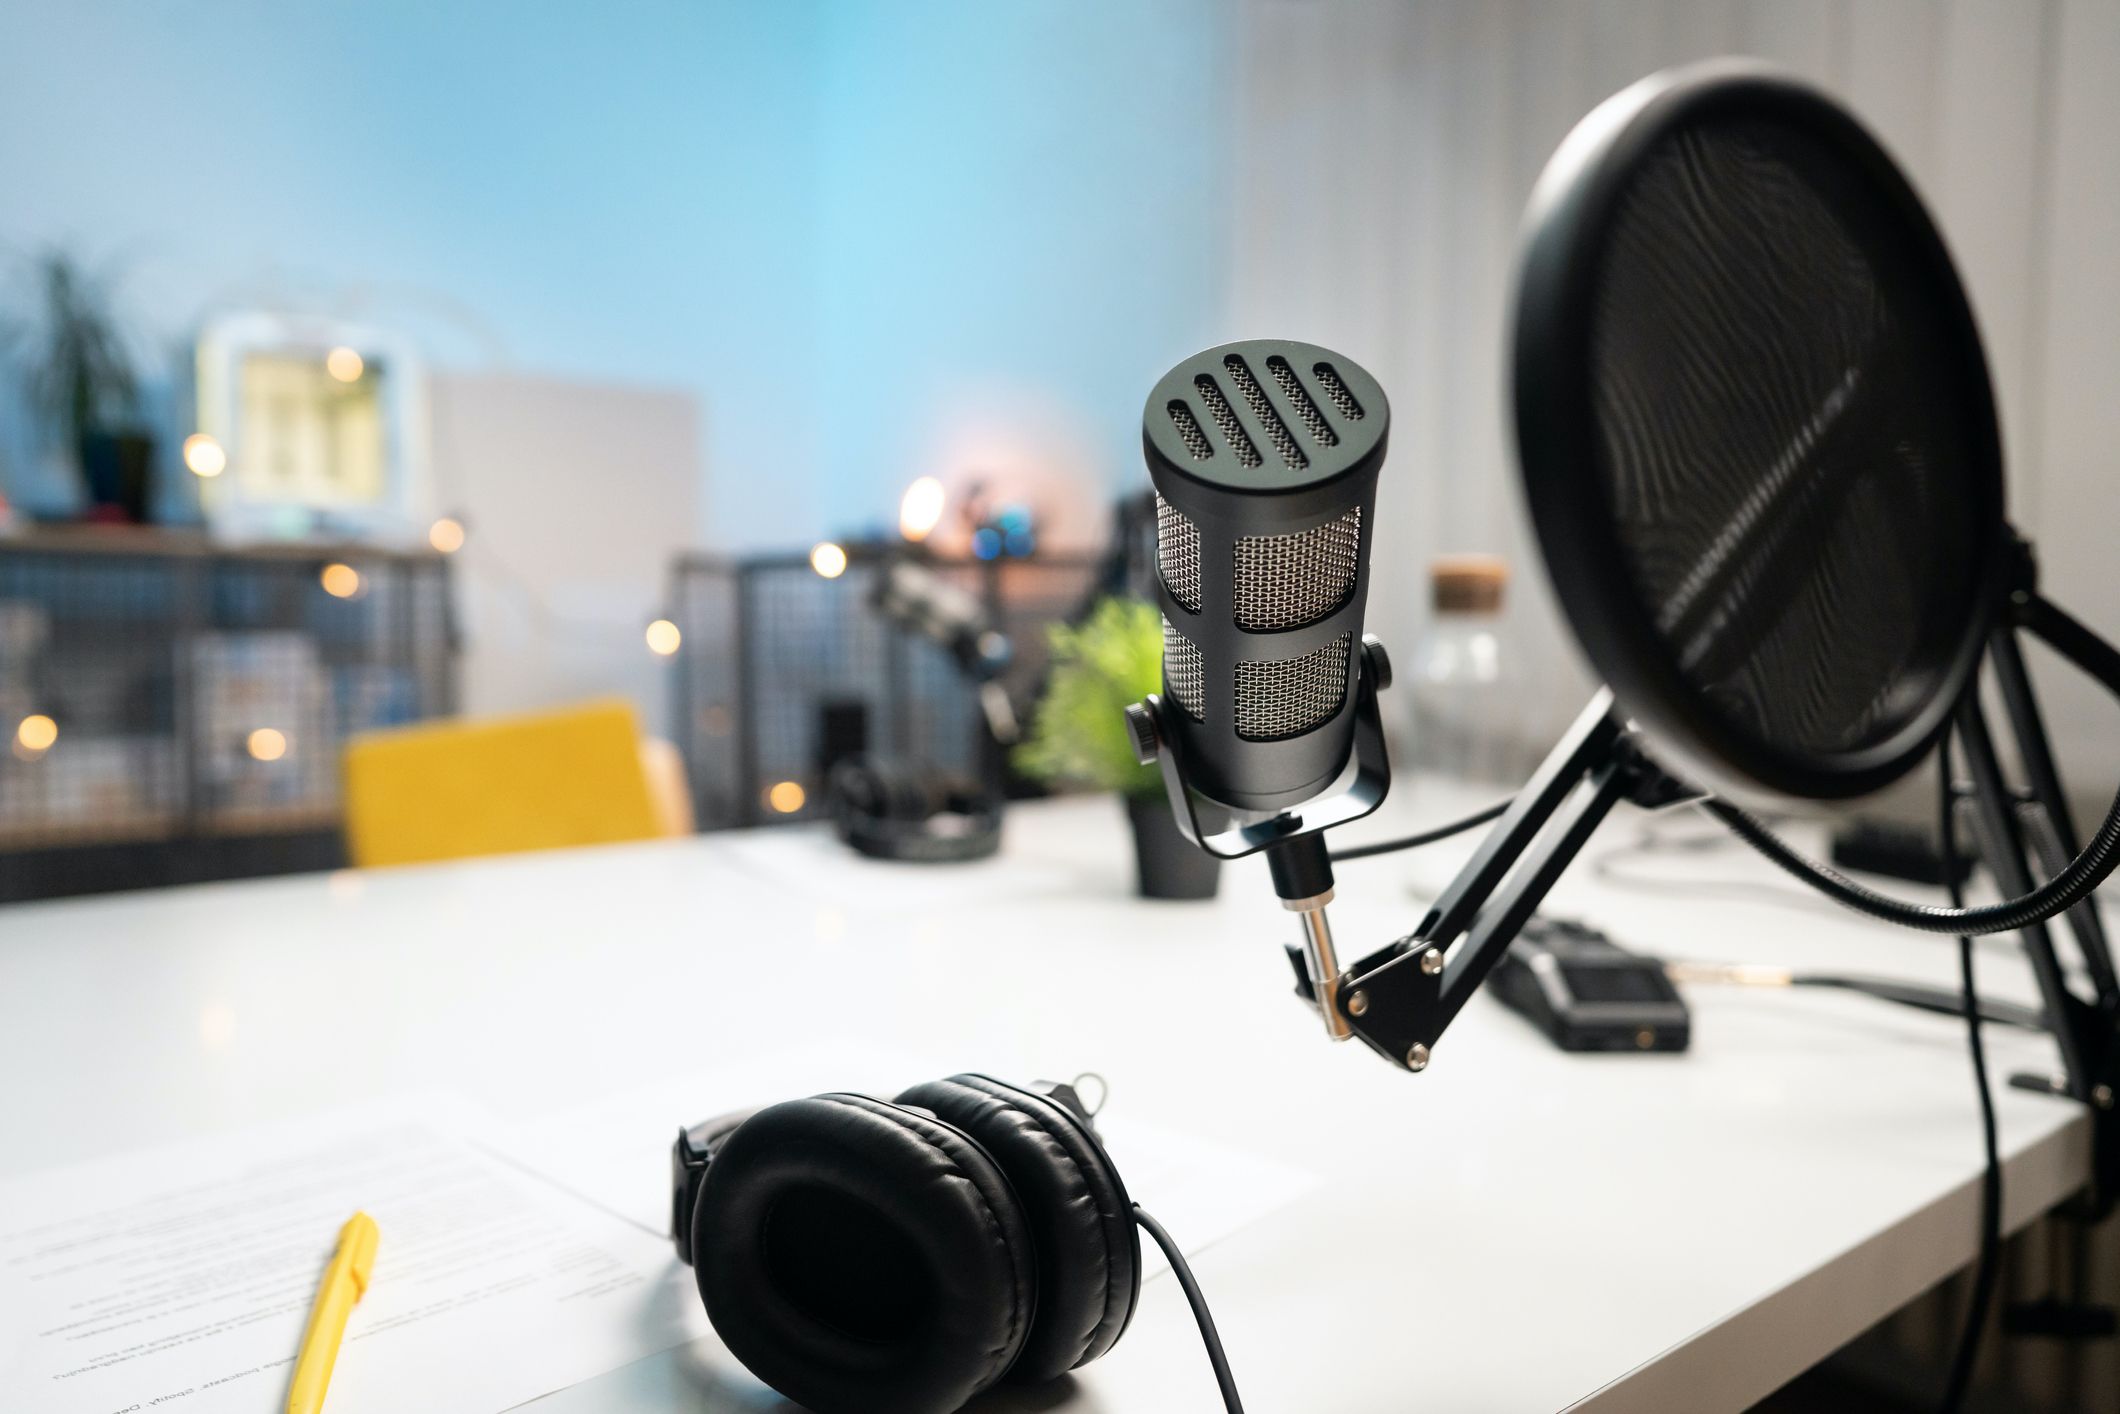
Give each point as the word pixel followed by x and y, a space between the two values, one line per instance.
pixel 1385 151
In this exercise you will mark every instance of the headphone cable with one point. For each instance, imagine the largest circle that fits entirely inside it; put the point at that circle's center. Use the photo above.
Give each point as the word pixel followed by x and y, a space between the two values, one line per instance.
pixel 1213 1341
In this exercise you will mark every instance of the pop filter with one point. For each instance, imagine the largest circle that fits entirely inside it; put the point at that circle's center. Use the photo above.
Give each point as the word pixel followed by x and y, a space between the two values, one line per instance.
pixel 1759 450
pixel 1756 432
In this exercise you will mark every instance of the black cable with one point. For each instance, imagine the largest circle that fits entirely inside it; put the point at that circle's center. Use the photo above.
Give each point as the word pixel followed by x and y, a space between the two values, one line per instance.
pixel 1938 1000
pixel 1230 1401
pixel 1921 998
pixel 1989 1265
pixel 1440 832
pixel 2083 873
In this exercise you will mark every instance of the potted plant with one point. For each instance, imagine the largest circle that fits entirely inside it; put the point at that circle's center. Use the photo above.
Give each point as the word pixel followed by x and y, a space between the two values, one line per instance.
pixel 83 386
pixel 1079 738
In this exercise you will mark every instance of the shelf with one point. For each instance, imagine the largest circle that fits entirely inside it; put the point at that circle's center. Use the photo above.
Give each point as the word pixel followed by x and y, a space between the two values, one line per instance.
pixel 179 542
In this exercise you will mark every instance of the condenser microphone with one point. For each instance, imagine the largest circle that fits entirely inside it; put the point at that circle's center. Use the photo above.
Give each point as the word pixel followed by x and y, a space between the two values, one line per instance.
pixel 1264 456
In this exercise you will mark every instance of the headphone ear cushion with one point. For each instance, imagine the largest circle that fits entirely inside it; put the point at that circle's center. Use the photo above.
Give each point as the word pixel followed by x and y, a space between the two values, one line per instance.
pixel 1081 1220
pixel 905 788
pixel 863 1259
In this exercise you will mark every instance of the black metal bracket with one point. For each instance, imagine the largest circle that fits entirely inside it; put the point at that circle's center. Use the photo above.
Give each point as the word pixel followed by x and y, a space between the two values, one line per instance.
pixel 1400 998
pixel 1359 792
pixel 2021 832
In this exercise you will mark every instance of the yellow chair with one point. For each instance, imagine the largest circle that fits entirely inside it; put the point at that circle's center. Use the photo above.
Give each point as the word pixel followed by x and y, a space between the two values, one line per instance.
pixel 544 780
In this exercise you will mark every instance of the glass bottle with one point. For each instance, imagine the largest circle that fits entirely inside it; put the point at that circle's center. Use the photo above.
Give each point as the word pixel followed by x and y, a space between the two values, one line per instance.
pixel 1462 681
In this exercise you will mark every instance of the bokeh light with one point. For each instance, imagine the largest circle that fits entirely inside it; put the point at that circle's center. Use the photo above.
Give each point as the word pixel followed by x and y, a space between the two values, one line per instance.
pixel 921 509
pixel 204 455
pixel 36 733
pixel 829 560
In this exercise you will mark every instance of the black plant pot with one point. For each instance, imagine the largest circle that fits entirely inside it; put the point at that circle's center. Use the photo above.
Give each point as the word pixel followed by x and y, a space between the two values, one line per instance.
pixel 118 468
pixel 1169 865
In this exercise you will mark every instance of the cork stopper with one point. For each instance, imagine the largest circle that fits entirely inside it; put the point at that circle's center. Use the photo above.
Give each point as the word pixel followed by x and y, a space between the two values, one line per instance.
pixel 1468 584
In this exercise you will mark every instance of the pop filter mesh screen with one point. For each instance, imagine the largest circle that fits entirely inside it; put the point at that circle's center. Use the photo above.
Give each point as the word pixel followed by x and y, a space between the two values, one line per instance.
pixel 1784 435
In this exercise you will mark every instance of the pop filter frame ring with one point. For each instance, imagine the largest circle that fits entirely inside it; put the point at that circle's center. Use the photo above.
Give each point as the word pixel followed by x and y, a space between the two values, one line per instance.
pixel 2092 865
pixel 1566 227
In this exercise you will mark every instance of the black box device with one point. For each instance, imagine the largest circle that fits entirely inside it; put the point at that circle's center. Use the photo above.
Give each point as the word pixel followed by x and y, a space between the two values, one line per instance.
pixel 1588 993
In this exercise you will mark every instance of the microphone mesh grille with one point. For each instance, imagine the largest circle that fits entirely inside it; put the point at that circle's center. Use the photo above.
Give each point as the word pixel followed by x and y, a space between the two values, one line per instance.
pixel 1183 681
pixel 1289 696
pixel 1299 398
pixel 1277 431
pixel 1286 581
pixel 1225 418
pixel 1196 443
pixel 1178 554
pixel 1329 379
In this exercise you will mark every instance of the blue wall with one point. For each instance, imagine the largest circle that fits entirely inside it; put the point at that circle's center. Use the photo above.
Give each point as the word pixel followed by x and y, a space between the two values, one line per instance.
pixel 847 227
pixel 1022 209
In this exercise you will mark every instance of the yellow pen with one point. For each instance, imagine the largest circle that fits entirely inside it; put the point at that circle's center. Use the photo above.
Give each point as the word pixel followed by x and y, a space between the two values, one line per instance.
pixel 344 1281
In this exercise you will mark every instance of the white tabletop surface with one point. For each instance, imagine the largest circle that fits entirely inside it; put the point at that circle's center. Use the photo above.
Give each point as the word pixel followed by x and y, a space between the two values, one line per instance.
pixel 1517 1229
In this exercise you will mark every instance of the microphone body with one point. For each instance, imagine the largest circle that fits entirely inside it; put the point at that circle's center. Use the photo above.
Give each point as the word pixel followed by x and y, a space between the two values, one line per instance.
pixel 1264 455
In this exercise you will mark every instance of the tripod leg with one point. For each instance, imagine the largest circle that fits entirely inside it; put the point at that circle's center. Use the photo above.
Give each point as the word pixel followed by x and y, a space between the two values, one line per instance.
pixel 2002 850
pixel 2053 836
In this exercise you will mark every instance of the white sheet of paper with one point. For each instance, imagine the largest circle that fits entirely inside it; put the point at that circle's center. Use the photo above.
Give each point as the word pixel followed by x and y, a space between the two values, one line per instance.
pixel 615 1152
pixel 181 1278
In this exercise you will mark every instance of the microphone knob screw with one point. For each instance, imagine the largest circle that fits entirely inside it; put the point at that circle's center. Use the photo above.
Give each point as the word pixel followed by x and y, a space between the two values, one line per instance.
pixel 1432 962
pixel 1417 1057
pixel 1141 732
pixel 1377 661
pixel 1358 1003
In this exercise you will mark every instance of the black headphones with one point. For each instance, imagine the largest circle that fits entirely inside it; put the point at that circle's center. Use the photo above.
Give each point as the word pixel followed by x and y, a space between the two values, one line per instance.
pixel 887 809
pixel 864 1257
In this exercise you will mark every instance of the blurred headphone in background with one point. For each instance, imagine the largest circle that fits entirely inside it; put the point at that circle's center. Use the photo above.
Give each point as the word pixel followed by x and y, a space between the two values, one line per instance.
pixel 899 810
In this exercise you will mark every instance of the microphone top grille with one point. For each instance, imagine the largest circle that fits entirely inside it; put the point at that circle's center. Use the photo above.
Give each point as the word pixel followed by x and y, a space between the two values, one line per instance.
pixel 1299 398
pixel 1265 416
pixel 1189 432
pixel 1225 417
pixel 1336 389
pixel 1277 431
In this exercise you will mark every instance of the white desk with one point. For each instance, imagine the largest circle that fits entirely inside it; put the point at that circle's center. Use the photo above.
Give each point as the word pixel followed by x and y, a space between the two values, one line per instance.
pixel 1538 1230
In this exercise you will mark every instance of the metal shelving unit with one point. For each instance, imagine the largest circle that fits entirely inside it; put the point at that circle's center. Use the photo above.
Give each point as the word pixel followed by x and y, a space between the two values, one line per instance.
pixel 769 645
pixel 197 697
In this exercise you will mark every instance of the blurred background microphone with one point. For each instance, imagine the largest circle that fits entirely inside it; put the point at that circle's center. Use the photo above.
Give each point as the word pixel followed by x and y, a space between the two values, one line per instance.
pixel 1264 456
pixel 923 602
